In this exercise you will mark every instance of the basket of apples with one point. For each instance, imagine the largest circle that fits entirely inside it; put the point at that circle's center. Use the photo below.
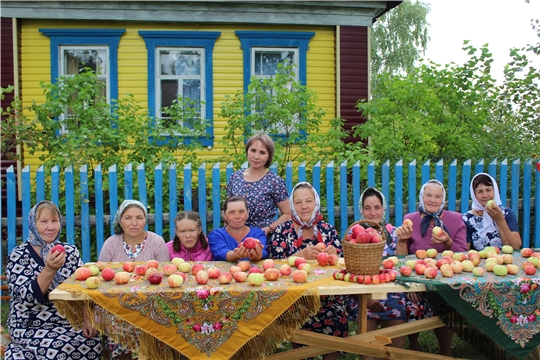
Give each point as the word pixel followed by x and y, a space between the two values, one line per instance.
pixel 363 247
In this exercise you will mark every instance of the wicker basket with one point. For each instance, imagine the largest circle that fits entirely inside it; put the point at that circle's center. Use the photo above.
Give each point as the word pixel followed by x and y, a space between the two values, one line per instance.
pixel 363 259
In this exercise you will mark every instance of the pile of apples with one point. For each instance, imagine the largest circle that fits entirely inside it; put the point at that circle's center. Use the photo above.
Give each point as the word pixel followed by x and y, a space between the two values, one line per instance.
pixel 361 235
pixel 384 276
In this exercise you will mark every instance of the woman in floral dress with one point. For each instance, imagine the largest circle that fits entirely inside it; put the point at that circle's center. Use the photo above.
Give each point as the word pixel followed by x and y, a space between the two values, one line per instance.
pixel 37 330
pixel 299 237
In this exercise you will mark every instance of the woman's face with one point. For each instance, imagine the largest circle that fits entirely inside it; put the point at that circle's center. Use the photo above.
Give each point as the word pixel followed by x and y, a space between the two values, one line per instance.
pixel 133 221
pixel 304 203
pixel 48 226
pixel 188 232
pixel 372 209
pixel 257 155
pixel 236 214
pixel 433 197
pixel 484 193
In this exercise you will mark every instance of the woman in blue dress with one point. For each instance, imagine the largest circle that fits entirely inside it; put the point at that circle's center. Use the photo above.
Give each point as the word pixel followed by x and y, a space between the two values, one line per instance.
pixel 489 225
pixel 37 330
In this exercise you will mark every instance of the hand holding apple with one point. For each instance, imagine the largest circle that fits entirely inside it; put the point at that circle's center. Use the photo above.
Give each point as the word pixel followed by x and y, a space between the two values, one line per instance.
pixel 404 232
pixel 495 212
pixel 330 249
pixel 309 252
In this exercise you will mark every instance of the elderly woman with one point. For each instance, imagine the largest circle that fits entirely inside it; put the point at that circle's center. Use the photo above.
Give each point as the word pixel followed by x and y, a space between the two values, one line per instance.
pixel 33 271
pixel 263 190
pixel 489 225
pixel 224 241
pixel 299 237
pixel 131 241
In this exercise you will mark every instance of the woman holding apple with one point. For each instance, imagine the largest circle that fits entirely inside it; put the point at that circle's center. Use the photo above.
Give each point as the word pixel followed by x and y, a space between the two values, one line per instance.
pixel 236 240
pixel 34 269
pixel 307 235
pixel 488 222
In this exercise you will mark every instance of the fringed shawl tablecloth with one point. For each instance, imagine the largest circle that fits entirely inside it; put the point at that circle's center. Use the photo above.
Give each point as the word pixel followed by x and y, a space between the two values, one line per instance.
pixel 506 310
pixel 235 320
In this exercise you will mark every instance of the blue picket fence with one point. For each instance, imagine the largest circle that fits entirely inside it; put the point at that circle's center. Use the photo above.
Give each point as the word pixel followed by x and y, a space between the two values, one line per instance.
pixel 515 181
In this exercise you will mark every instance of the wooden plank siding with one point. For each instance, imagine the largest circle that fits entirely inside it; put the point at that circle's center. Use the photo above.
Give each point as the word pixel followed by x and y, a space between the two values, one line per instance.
pixel 132 64
pixel 354 73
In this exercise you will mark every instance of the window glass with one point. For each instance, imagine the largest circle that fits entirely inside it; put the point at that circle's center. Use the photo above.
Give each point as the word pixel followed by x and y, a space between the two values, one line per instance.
pixel 266 61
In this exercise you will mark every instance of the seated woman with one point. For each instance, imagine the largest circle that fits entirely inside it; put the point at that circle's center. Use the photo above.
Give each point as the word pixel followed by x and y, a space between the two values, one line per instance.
pixel 224 241
pixel 419 236
pixel 37 330
pixel 489 225
pixel 299 237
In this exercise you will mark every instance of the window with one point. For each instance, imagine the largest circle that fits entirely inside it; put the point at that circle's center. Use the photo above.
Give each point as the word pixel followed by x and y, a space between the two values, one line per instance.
pixel 74 49
pixel 266 61
pixel 180 65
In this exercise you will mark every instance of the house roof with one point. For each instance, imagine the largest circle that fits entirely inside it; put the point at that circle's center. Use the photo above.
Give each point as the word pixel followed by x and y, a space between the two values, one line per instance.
pixel 353 13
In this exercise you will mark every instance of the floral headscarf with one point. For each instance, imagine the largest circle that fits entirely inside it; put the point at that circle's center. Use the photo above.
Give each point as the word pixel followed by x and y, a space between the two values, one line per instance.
pixel 315 217
pixel 383 219
pixel 426 220
pixel 116 223
pixel 34 237
pixel 488 225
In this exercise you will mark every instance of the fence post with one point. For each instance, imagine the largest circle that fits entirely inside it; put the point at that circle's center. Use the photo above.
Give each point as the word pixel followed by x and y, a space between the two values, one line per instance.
pixel 503 181
pixel 330 192
pixel 412 186
pixel 70 205
pixel 40 184
pixel 536 206
pixel 317 177
pixel 85 214
pixel 398 213
pixel 11 208
pixel 173 198
pixel 216 196
pixel 527 168
pixel 492 169
pixel 202 194
pixel 289 177
pixel 188 196
pixel 113 195
pixel 158 199
pixel 356 189
pixel 386 184
pixel 128 182
pixel 452 185
pixel 439 171
pixel 514 200
pixel 55 185
pixel 302 172
pixel 465 183
pixel 426 172
pixel 98 190
pixel 26 199
pixel 343 210
pixel 371 174
pixel 479 167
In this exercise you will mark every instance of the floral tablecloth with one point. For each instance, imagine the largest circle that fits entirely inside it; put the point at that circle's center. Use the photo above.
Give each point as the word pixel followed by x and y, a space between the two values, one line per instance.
pixel 215 321
pixel 506 309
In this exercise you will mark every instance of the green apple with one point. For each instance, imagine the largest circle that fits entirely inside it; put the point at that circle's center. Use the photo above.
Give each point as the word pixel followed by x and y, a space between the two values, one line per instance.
pixel 500 270
pixel 507 249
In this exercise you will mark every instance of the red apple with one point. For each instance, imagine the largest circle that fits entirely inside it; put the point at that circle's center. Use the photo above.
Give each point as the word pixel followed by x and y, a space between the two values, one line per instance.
pixel 530 270
pixel 299 260
pixel 305 266
pixel 225 278
pixel 213 272
pixel 405 271
pixel 121 277
pixel 169 269
pixel 446 270
pixel 250 243
pixel 150 271
pixel 175 280
pixel 196 268
pixel 367 279
pixel 299 276
pixel 155 278
pixel 268 263
pixel 431 272
pixel 271 274
pixel 101 265
pixel 141 270
pixel 333 259
pixel 82 273
pixel 375 238
pixel 321 246
pixel 234 269
pixel 388 263
pixel 421 254
pixel 355 230
pixel 152 264
pixel 58 248
pixel 240 276
pixel 285 270
pixel 322 258
pixel 420 269
pixel 255 269
pixel 201 277
pixel 363 238
pixel 244 265
pixel 437 231
pixel 375 279
pixel 107 274
pixel 129 266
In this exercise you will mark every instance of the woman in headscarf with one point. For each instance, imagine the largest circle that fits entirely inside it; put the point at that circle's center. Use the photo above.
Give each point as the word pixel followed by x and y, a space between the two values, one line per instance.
pixel 33 271
pixel 131 241
pixel 489 224
pixel 300 236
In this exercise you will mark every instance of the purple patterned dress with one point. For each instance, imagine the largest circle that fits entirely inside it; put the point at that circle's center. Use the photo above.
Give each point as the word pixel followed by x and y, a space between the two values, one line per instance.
pixel 262 196
pixel 331 318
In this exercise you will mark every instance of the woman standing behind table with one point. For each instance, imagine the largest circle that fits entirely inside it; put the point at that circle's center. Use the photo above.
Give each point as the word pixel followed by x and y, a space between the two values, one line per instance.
pixel 37 330
pixel 224 241
pixel 189 242
pixel 419 236
pixel 299 237
pixel 489 225
pixel 131 243
pixel 263 190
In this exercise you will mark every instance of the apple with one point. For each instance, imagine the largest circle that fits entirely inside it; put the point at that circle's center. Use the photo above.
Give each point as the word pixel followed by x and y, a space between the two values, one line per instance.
pixel 431 273
pixel 512 269
pixel 268 263
pixel 338 275
pixel 363 238
pixel 59 248
pixel 526 252
pixel 475 260
pixel 255 279
pixel 150 271
pixel 395 260
pixel 408 223
pixel 507 249
pixel 525 264
pixel 459 256
pixel 490 265
pixel 446 270
pixel 388 263
pixel 255 269
pixel 121 277
pixel 534 260
pixel 536 255
pixel 442 262
pixel 213 272
pixel 437 231
pixel 405 270
pixel 155 278
pixel 457 267
pixel 184 267
pixel 421 254
pixel 483 254
pixel 244 265
pixel 478 271
pixel 367 279
pixel 92 282
pixel 225 277
pixel 141 270
pixel 234 269
pixel 321 246
pixel 499 258
pixel 107 274
pixel 468 265
pixel 169 269
pixel 177 261
pixel 530 270
pixel 152 264
pixel 356 229
pixel 490 248
pixel 271 274
pixel 129 266
pixel 507 259
pixel 376 279
pixel 240 276
pixel 285 270
pixel 420 269
pixel 322 258
pixel 360 279
pixel 175 280
pixel 432 253
pixel 101 265
pixel 448 253
pixel 299 260
pixel 94 270
pixel 82 273
pixel 333 259
pixel 299 276
pixel 375 238
pixel 250 243
pixel 491 204
pixel 201 277
pixel 500 270
pixel 305 266
pixel 347 277
pixel 196 268
pixel 410 263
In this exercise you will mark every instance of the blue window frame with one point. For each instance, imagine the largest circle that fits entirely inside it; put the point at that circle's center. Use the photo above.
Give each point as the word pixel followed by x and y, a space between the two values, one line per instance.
pixel 157 41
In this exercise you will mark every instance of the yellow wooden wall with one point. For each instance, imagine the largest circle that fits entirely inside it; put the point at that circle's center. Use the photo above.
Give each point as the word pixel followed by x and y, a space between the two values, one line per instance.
pixel 132 65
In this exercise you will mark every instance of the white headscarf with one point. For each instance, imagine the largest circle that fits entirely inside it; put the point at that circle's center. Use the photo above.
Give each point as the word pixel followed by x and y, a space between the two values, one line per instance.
pixel 488 225
pixel 315 216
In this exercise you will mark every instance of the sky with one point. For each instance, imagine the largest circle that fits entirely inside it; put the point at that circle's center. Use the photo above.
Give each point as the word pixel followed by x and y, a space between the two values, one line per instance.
pixel 503 24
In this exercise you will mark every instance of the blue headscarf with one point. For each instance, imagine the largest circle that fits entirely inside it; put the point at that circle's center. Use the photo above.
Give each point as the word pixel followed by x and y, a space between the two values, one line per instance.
pixel 426 220
pixel 35 239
